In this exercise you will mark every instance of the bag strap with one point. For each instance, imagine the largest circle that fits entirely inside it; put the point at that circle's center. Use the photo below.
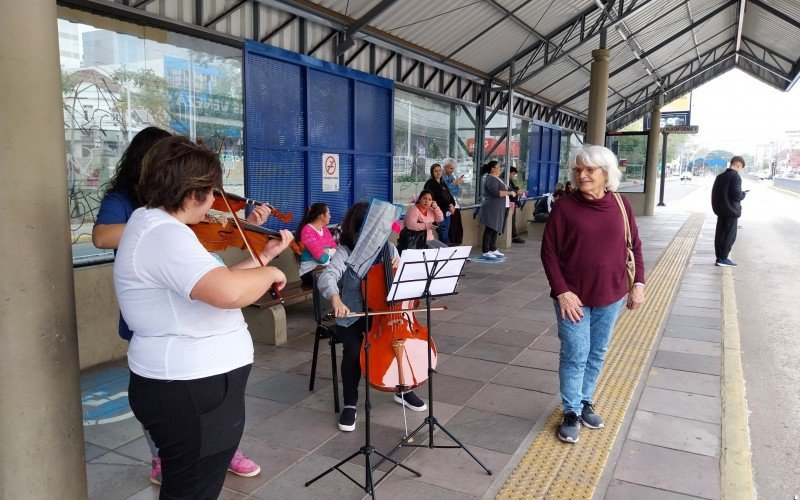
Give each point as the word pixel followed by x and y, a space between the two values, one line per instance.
pixel 628 241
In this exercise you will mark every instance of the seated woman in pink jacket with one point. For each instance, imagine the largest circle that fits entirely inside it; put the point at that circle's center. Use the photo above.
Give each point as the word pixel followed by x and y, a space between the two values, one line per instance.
pixel 423 215
pixel 318 243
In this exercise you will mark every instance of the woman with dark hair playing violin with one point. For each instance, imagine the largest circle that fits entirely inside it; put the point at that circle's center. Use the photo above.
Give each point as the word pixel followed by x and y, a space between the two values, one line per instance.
pixel 342 288
pixel 191 352
pixel 318 243
pixel 119 202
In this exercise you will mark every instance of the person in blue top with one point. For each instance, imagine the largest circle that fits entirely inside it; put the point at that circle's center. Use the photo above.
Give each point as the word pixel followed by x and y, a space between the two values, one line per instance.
pixel 119 202
pixel 456 232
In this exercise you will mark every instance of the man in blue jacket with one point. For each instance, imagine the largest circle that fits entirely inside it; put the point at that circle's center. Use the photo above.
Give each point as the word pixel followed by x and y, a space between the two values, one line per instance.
pixel 726 197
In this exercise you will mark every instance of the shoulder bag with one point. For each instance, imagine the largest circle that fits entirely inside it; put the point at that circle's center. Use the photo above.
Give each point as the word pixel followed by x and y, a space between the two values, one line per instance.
pixel 630 263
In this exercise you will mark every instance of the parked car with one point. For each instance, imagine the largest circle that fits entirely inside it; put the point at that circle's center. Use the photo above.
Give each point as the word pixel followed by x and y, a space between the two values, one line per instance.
pixel 686 176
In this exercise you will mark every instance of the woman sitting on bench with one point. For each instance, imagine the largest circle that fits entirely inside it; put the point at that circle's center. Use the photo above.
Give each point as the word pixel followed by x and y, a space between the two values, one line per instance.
pixel 317 242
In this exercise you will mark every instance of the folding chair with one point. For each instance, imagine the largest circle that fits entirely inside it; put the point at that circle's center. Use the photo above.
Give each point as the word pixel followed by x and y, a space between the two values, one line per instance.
pixel 324 331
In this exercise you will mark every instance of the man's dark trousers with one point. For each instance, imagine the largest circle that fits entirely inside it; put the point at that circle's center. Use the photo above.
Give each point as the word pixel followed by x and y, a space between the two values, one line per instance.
pixel 725 236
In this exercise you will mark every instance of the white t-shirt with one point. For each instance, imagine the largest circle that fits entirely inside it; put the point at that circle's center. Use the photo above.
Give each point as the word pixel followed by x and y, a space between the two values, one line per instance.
pixel 158 263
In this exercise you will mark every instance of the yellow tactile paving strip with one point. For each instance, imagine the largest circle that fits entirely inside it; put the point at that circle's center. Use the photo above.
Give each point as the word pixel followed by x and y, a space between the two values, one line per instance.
pixel 552 469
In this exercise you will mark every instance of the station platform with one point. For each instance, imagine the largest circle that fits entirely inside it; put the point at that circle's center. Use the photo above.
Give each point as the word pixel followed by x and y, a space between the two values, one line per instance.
pixel 663 393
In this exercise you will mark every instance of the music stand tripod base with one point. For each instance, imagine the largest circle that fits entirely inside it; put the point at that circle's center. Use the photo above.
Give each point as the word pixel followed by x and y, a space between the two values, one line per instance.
pixel 439 275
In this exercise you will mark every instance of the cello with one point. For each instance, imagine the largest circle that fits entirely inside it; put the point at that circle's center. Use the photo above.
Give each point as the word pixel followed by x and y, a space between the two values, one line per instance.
pixel 398 359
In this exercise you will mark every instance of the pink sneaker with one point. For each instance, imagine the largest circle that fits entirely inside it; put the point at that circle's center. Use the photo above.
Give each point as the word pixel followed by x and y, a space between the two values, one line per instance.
pixel 155 474
pixel 241 465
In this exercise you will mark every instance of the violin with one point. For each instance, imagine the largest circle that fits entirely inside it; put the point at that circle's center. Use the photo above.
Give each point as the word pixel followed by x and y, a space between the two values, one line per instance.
pixel 219 233
pixel 398 342
pixel 239 203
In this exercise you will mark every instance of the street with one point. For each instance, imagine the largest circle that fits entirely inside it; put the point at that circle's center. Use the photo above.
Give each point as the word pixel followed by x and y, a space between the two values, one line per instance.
pixel 769 321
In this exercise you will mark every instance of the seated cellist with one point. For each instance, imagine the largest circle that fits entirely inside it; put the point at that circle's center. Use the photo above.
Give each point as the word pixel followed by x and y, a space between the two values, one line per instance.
pixel 350 330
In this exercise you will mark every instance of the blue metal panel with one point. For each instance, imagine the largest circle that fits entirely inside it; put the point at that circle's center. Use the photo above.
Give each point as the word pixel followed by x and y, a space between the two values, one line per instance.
pixel 330 117
pixel 276 176
pixel 543 158
pixel 555 160
pixel 371 173
pixel 373 118
pixel 533 160
pixel 338 201
pixel 274 99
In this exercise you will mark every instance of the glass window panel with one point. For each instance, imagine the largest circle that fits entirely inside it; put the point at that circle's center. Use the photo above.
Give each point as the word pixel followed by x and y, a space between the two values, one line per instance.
pixel 465 152
pixel 571 143
pixel 631 151
pixel 116 83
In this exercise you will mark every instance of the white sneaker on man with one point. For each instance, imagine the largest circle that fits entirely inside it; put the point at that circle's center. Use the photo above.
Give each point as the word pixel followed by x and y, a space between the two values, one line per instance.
pixel 497 253
pixel 489 255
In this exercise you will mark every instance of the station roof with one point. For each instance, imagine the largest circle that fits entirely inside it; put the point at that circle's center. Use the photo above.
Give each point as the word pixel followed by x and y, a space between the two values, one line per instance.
pixel 658 47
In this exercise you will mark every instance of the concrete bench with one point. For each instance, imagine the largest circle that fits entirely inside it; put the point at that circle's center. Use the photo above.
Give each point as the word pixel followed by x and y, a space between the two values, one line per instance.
pixel 266 317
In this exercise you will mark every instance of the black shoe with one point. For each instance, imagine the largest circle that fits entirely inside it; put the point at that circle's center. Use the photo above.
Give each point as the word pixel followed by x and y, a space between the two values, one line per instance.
pixel 411 401
pixel 589 418
pixel 570 428
pixel 518 240
pixel 347 421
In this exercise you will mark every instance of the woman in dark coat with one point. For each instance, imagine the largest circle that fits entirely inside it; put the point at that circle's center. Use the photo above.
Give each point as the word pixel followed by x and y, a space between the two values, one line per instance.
pixel 443 198
pixel 493 208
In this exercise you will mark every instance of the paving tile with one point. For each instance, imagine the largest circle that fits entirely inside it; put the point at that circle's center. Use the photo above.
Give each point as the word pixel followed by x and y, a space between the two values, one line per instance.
pixel 690 346
pixel 258 374
pixel 676 433
pixel 290 483
pixel 107 478
pixel 623 490
pixel 700 312
pixel 547 343
pixel 490 352
pixel 496 308
pixel 273 458
pixel 304 342
pixel 457 330
pixel 91 451
pixel 385 411
pixel 689 302
pixel 490 430
pixel 137 449
pixel 681 404
pixel 540 315
pixel 710 365
pixel 476 318
pixel 524 325
pixel 399 488
pixel 449 344
pixel 533 379
pixel 694 333
pixel 286 387
pixel 298 427
pixel 383 438
pixel 475 369
pixel 677 380
pixel 543 360
pixel 454 390
pixel 512 300
pixel 114 434
pixel 543 302
pixel 258 410
pixel 280 359
pixel 693 294
pixel 668 469
pixel 682 320
pixel 453 469
pixel 508 337
pixel 511 401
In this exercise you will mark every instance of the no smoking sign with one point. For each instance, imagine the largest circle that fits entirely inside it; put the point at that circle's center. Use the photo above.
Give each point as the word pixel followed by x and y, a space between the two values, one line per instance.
pixel 330 172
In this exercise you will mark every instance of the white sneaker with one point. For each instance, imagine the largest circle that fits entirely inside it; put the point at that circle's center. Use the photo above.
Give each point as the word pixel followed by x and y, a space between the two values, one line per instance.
pixel 497 253
pixel 489 255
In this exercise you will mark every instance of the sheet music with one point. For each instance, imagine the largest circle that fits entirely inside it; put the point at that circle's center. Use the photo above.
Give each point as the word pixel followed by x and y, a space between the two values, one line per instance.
pixel 412 273
pixel 374 233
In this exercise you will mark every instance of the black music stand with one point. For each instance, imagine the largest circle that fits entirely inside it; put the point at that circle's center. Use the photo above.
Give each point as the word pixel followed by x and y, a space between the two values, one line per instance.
pixel 420 276
pixel 367 450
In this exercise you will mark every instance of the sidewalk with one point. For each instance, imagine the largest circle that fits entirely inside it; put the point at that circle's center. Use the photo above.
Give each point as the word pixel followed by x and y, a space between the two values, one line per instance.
pixel 496 388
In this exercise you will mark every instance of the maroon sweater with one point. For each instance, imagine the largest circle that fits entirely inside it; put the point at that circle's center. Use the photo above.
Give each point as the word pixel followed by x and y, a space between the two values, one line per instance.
pixel 583 249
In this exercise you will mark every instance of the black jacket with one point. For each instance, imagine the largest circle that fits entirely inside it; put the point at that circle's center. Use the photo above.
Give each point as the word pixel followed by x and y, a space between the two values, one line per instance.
pixel 727 194
pixel 441 193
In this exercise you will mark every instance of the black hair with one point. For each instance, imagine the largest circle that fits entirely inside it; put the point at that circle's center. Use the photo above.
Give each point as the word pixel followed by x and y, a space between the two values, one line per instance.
pixel 310 215
pixel 129 168
pixel 433 167
pixel 513 170
pixel 488 166
pixel 423 193
pixel 351 225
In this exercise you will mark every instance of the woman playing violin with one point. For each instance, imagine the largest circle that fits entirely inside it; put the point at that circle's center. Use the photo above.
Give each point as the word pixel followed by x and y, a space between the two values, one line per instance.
pixel 118 204
pixel 191 353
pixel 350 330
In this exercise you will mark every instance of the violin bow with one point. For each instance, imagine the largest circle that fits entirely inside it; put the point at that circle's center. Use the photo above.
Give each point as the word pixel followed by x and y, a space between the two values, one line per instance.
pixel 236 221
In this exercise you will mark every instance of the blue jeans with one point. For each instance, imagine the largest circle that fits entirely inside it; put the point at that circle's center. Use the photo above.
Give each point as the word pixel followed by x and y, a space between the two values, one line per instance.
pixel 583 350
pixel 444 229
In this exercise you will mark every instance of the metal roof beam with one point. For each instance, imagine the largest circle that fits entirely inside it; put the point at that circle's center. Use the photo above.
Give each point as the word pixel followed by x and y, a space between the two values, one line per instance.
pixel 767 51
pixel 766 67
pixel 655 49
pixel 739 26
pixel 354 28
pixel 564 39
pixel 775 12
pixel 506 15
pixel 225 13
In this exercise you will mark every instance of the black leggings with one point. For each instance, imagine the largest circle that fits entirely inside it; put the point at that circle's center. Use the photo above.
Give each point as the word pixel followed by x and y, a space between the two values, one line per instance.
pixel 351 338
pixel 489 240
pixel 196 424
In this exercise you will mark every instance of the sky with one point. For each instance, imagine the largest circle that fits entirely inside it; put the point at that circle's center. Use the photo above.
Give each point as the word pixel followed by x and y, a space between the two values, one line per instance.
pixel 737 112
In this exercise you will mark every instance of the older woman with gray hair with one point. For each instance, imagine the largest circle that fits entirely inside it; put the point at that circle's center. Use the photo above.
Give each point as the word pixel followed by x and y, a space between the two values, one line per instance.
pixel 584 252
